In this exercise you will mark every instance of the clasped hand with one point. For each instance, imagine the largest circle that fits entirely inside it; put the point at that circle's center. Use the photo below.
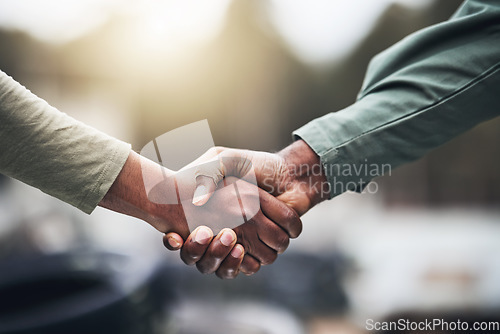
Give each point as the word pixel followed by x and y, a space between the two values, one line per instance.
pixel 270 209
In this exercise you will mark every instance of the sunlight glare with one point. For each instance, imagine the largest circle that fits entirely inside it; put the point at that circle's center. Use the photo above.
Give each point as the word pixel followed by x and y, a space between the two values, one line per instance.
pixel 325 30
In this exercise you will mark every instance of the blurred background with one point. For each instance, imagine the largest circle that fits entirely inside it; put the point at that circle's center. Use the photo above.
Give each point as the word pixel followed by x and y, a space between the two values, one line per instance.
pixel 424 245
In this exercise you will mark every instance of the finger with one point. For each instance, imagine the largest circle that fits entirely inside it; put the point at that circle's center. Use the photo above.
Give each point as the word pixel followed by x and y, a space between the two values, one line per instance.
pixel 281 214
pixel 249 238
pixel 271 234
pixel 217 251
pixel 264 254
pixel 172 241
pixel 229 268
pixel 235 162
pixel 209 155
pixel 209 173
pixel 205 187
pixel 249 265
pixel 196 245
pixel 296 201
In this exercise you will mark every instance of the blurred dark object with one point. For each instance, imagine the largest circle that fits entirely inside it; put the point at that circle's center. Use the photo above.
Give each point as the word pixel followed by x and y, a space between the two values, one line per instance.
pixel 241 317
pixel 78 293
pixel 3 179
pixel 491 318
pixel 303 283
pixel 308 284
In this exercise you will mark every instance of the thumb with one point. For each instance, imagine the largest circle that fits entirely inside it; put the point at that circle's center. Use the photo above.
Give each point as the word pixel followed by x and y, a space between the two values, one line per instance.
pixel 205 187
pixel 209 174
pixel 172 241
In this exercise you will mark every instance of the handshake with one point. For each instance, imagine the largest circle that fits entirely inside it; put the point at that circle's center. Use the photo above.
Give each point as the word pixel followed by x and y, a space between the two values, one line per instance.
pixel 254 198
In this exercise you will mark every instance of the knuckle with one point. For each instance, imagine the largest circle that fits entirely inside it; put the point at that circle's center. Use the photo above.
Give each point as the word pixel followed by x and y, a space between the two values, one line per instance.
pixel 283 242
pixel 226 274
pixel 293 224
pixel 291 217
pixel 269 258
pixel 204 269
pixel 221 276
pixel 217 253
pixel 249 266
pixel 191 253
pixel 189 256
pixel 188 259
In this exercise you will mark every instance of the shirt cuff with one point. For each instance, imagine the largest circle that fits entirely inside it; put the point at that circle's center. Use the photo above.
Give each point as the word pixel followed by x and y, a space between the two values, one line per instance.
pixel 109 172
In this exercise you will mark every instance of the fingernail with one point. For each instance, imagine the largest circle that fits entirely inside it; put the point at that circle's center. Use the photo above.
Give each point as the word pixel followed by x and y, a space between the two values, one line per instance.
pixel 227 238
pixel 173 243
pixel 237 251
pixel 202 236
pixel 200 194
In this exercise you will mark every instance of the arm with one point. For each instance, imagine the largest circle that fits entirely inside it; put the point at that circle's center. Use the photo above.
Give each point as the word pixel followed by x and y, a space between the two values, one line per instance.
pixel 418 94
pixel 84 167
pixel 47 149
pixel 69 160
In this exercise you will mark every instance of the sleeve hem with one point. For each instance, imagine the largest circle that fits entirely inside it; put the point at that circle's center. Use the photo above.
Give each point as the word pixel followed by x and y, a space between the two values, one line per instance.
pixel 106 178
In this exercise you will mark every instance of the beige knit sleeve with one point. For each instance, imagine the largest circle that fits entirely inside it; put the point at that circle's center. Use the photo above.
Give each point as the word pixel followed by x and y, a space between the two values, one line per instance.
pixel 53 152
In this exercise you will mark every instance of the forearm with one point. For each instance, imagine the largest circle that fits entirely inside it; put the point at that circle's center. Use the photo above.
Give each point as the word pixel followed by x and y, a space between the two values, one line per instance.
pixel 127 195
pixel 417 95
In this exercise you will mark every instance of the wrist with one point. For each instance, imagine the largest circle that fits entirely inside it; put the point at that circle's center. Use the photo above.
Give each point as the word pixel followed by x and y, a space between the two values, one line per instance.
pixel 162 205
pixel 129 195
pixel 305 173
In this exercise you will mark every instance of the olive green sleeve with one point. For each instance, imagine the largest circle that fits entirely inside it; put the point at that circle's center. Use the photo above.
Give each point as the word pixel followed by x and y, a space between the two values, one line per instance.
pixel 53 152
pixel 418 94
